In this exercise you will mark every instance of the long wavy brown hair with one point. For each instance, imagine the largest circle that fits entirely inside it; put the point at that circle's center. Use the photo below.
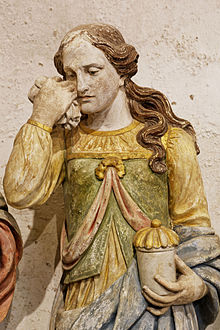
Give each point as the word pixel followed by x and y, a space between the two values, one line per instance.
pixel 147 105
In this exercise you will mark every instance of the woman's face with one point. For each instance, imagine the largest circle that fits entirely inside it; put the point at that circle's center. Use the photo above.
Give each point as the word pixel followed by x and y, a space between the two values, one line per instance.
pixel 96 80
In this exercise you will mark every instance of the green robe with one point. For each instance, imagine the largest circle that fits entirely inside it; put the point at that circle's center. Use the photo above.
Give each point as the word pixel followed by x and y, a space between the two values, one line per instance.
pixel 149 190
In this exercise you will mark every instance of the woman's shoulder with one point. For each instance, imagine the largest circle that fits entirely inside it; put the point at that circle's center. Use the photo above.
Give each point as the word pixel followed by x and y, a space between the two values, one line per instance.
pixel 180 146
pixel 178 138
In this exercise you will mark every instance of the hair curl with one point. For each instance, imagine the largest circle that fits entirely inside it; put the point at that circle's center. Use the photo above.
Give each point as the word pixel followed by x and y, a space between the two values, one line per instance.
pixel 147 105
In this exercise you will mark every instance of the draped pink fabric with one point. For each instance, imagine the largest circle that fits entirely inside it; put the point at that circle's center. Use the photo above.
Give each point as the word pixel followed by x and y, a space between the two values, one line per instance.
pixel 131 212
pixel 9 261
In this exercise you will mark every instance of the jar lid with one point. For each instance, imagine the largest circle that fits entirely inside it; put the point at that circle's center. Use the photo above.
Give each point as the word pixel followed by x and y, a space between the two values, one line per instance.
pixel 156 236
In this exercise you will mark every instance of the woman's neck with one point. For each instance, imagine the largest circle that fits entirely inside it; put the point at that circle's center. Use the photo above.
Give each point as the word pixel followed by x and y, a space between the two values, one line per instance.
pixel 115 117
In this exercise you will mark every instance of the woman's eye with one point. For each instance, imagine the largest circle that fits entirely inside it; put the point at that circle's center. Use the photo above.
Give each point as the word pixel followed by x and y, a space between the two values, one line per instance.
pixel 93 71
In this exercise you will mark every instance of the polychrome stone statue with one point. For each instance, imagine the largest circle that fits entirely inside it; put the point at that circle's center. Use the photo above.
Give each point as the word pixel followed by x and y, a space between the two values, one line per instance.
pixel 124 159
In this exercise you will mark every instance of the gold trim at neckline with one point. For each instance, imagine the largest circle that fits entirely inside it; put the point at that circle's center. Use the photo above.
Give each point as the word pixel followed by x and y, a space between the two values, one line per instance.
pixel 90 131
pixel 102 155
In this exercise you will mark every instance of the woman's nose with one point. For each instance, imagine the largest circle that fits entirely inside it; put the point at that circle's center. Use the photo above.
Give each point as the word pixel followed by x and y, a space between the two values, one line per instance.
pixel 82 86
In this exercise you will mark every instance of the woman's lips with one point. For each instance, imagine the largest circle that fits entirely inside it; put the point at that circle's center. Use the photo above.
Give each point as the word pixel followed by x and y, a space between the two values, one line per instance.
pixel 84 99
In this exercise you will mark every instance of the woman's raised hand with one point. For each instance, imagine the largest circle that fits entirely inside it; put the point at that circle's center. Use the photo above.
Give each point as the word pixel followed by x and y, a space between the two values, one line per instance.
pixel 51 98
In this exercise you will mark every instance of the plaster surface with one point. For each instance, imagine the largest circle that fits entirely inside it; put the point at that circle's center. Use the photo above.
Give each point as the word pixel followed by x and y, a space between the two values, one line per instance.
pixel 178 42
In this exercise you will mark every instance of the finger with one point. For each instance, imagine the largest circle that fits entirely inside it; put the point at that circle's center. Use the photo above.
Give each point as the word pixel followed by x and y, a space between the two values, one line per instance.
pixel 75 103
pixel 40 81
pixel 72 89
pixel 171 286
pixel 157 312
pixel 163 299
pixel 181 266
pixel 68 83
pixel 57 79
pixel 32 93
pixel 154 302
pixel 74 95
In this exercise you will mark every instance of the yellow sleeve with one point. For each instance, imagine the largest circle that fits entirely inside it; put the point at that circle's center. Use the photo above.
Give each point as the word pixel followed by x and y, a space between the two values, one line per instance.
pixel 35 166
pixel 187 201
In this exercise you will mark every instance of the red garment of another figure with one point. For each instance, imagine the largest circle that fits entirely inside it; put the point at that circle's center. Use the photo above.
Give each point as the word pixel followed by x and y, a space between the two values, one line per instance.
pixel 10 255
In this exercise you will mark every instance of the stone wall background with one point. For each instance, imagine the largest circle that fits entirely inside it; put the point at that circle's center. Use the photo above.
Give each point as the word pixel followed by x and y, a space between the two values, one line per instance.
pixel 178 42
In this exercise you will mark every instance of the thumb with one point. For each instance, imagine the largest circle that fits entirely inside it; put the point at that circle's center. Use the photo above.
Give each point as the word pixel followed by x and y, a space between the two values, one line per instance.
pixel 40 81
pixel 181 266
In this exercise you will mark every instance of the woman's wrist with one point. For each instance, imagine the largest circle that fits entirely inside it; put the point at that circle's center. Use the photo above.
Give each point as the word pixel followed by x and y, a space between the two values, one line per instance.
pixel 42 118
pixel 40 125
